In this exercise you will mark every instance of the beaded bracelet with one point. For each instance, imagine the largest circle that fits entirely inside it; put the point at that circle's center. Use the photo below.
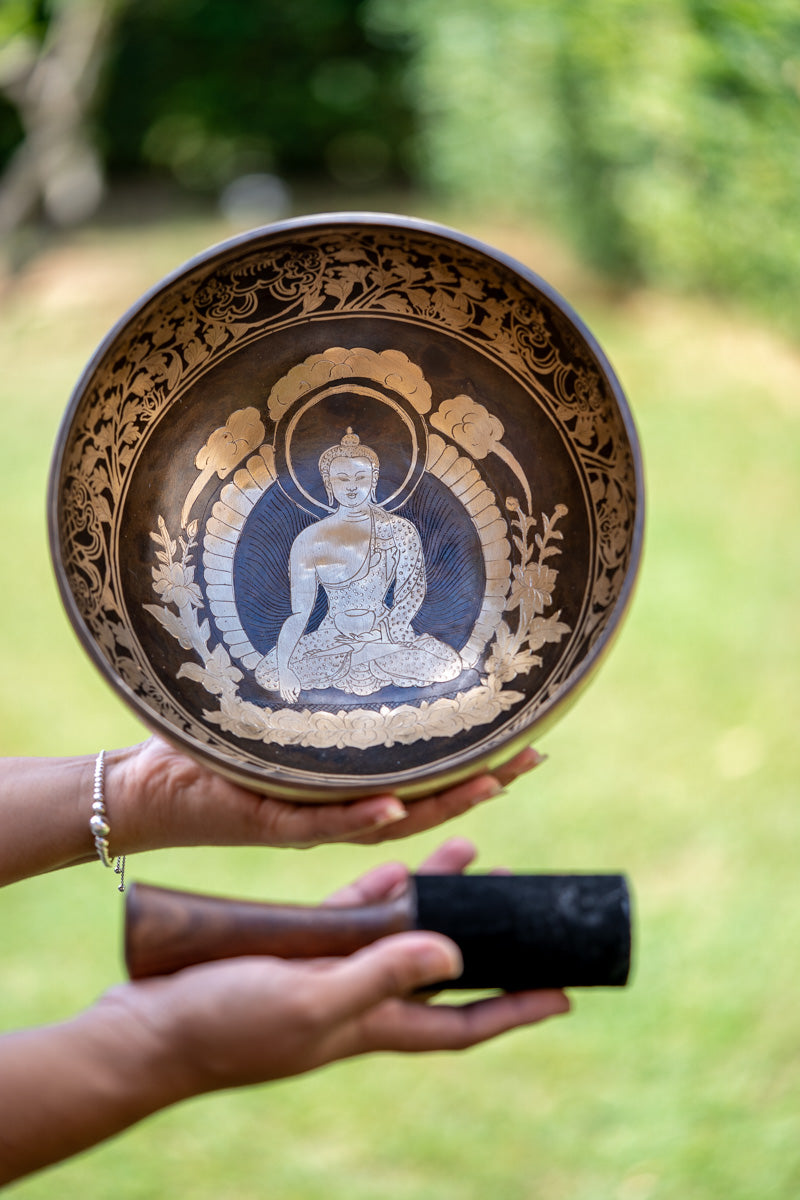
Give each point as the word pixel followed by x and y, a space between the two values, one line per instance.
pixel 99 824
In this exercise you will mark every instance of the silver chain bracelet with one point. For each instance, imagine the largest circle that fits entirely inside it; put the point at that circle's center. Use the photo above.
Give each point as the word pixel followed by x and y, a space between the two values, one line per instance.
pixel 99 824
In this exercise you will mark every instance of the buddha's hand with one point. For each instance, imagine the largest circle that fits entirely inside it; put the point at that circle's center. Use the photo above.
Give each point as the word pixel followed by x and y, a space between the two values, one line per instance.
pixel 372 635
pixel 157 796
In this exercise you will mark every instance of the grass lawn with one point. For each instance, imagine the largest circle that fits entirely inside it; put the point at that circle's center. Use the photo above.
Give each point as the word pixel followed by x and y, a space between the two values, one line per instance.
pixel 680 766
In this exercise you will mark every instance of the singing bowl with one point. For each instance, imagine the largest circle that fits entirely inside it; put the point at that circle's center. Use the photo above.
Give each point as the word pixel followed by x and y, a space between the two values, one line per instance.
pixel 340 413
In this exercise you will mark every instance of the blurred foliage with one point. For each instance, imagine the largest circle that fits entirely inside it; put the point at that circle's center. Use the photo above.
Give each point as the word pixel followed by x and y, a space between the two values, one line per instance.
pixel 207 91
pixel 22 24
pixel 23 18
pixel 661 136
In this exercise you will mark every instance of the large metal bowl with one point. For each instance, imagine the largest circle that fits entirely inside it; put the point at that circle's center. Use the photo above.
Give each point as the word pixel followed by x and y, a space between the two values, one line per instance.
pixel 348 503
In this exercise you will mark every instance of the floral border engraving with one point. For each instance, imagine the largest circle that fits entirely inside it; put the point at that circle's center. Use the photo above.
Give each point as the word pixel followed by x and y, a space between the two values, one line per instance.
pixel 280 281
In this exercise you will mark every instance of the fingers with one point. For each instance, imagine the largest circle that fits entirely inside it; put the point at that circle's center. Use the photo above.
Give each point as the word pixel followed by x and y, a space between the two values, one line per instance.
pixel 431 811
pixel 385 818
pixel 381 883
pixel 451 858
pixel 413 1028
pixel 302 825
pixel 392 967
pixel 390 879
pixel 520 764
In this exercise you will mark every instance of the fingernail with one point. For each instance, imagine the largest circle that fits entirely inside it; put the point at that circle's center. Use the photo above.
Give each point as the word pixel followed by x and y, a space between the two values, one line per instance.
pixel 440 962
pixel 393 811
pixel 399 889
pixel 530 759
pixel 487 791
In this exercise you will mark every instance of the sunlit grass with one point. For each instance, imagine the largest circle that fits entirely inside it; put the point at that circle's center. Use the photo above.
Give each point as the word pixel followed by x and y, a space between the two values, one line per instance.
pixel 679 765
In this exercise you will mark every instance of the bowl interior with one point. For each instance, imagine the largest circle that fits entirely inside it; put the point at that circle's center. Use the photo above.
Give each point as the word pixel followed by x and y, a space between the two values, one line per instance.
pixel 347 502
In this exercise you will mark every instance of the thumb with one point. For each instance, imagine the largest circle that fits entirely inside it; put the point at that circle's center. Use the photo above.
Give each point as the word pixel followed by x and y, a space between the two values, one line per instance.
pixel 390 967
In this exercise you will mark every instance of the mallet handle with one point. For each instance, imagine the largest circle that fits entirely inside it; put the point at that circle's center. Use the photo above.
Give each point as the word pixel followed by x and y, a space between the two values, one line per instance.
pixel 515 932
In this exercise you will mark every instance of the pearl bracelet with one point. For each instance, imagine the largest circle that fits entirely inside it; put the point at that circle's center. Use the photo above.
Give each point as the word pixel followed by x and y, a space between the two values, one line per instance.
pixel 99 824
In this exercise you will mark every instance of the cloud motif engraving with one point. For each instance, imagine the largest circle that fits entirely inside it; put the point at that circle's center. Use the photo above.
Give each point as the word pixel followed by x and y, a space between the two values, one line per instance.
pixel 468 423
pixel 242 433
pixel 391 368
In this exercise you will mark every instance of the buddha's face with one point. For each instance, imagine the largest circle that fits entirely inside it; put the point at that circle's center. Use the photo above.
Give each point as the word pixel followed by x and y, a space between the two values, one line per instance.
pixel 351 481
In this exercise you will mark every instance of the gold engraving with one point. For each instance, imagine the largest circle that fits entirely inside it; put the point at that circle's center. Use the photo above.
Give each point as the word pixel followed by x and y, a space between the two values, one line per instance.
pixel 512 655
pixel 466 484
pixel 390 367
pixel 224 450
pixel 355 554
pixel 209 315
pixel 531 592
pixel 470 425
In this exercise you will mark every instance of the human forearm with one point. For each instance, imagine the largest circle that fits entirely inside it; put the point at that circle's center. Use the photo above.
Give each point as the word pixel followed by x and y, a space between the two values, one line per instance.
pixel 154 796
pixel 157 796
pixel 238 1022
pixel 66 1087
pixel 45 806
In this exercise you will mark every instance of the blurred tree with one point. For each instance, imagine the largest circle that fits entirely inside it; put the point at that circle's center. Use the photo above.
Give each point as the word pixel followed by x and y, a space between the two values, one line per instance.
pixel 50 56
pixel 206 90
pixel 202 91
pixel 662 136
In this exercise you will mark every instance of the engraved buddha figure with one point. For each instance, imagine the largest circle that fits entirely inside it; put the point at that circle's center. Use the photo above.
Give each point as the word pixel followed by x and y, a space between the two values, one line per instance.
pixel 356 555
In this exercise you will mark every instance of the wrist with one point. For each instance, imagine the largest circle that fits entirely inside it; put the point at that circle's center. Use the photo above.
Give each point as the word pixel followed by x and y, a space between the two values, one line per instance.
pixel 132 1041
pixel 144 784
pixel 169 1053
pixel 123 799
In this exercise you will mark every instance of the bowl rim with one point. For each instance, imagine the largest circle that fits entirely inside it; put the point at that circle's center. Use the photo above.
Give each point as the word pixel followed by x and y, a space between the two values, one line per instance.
pixel 436 777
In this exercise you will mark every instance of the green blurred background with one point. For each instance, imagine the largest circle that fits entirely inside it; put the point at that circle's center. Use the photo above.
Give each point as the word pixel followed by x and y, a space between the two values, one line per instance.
pixel 645 159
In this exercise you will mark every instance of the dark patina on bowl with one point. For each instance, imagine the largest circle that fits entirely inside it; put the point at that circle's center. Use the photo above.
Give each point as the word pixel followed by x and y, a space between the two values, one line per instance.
pixel 348 503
